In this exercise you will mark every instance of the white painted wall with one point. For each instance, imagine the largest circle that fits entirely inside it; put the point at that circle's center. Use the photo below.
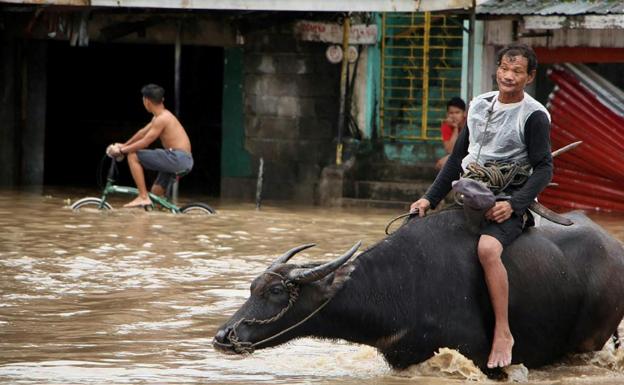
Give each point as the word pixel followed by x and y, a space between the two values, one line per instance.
pixel 500 32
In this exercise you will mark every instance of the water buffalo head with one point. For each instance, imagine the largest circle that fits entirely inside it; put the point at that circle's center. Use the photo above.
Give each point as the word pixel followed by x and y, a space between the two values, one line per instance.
pixel 282 298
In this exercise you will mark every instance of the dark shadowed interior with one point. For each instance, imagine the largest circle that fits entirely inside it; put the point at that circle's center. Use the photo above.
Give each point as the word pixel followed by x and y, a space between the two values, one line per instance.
pixel 94 99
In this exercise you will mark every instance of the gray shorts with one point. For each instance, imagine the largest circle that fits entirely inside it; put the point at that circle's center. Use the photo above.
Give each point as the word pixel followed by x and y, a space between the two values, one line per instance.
pixel 168 163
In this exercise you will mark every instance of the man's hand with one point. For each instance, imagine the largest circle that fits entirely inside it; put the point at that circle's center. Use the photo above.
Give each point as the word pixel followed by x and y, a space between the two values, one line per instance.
pixel 114 151
pixel 500 212
pixel 451 122
pixel 421 205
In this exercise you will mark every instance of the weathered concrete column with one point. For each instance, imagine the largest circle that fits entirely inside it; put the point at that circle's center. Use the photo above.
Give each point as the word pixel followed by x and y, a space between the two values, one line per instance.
pixel 33 133
pixel 8 153
pixel 291 109
pixel 331 186
pixel 332 183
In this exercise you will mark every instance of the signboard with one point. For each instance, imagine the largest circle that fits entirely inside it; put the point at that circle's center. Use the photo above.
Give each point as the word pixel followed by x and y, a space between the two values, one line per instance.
pixel 332 32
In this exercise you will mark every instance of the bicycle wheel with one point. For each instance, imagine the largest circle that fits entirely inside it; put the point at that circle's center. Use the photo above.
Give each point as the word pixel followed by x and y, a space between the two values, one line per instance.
pixel 197 208
pixel 90 203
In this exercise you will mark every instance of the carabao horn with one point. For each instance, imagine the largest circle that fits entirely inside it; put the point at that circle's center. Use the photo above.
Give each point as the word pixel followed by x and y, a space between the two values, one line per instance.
pixel 566 148
pixel 544 211
pixel 289 254
pixel 315 273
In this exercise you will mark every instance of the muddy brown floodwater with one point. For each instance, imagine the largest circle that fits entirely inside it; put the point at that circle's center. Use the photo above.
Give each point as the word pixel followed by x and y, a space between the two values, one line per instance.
pixel 134 297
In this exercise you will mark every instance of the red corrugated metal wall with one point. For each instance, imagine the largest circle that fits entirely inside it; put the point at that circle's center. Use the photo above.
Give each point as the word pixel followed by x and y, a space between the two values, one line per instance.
pixel 590 177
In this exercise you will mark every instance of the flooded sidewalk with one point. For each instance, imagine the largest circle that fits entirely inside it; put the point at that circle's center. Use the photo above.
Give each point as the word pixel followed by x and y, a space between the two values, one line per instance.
pixel 130 296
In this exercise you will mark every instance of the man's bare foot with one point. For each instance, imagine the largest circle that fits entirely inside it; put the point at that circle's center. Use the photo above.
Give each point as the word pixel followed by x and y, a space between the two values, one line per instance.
pixel 500 356
pixel 138 202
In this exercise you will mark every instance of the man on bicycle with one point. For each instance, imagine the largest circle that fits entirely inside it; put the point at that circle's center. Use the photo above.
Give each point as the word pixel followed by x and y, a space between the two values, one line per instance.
pixel 174 158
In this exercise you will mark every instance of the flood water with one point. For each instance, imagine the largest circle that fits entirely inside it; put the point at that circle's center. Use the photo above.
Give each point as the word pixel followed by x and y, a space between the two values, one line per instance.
pixel 134 297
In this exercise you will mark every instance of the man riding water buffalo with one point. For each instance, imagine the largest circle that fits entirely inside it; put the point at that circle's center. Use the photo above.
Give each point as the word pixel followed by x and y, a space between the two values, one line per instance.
pixel 434 284
pixel 503 126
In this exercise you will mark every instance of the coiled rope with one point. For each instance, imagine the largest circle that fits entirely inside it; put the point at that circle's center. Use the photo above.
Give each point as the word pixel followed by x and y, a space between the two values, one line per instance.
pixel 499 176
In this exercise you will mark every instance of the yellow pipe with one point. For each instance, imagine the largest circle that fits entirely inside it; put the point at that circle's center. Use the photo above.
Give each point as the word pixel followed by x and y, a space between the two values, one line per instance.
pixel 425 82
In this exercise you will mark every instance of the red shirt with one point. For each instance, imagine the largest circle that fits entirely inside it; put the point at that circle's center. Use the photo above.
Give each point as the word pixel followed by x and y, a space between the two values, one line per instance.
pixel 447 131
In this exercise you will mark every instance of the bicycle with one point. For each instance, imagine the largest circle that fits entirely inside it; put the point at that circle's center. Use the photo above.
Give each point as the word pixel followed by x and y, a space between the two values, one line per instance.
pixel 164 202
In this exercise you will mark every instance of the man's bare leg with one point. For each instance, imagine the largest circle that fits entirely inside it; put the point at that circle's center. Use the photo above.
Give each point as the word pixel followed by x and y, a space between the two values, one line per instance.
pixel 158 190
pixel 139 179
pixel 490 251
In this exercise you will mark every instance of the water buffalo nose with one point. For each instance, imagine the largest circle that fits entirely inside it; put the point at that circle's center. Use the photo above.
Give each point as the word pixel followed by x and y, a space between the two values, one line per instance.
pixel 221 335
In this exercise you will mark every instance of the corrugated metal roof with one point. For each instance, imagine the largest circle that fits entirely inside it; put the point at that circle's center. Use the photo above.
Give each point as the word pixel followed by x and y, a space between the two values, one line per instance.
pixel 550 7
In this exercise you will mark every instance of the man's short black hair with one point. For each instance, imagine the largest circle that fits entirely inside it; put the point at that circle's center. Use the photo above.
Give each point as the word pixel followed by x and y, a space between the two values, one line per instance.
pixel 456 102
pixel 153 92
pixel 518 49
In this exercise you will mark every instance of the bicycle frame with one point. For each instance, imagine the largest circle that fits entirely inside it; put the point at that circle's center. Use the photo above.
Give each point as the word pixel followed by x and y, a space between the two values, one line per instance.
pixel 112 188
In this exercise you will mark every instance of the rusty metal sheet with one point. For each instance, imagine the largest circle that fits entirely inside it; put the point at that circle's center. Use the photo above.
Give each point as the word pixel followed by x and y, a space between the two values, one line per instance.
pixel 590 177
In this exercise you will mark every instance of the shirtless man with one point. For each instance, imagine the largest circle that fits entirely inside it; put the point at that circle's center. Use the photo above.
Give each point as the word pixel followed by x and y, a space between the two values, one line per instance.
pixel 174 158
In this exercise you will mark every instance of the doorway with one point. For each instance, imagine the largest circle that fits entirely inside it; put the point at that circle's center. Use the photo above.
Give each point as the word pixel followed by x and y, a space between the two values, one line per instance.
pixel 93 99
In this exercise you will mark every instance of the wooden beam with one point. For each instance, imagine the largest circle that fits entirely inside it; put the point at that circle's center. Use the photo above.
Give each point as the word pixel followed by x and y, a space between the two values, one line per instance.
pixel 575 22
pixel 270 5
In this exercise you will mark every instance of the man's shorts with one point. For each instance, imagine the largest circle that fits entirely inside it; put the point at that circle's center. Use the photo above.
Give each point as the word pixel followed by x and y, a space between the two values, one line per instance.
pixel 505 232
pixel 167 162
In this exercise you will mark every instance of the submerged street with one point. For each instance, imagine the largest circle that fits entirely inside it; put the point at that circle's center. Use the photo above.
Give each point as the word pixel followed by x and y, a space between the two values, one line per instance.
pixel 130 296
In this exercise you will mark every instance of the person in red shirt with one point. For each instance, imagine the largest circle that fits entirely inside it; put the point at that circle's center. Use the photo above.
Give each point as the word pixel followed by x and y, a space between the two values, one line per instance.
pixel 454 122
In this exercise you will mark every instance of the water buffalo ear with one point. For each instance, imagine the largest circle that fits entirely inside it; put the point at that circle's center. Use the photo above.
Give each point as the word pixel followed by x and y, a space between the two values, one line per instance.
pixel 340 277
pixel 319 272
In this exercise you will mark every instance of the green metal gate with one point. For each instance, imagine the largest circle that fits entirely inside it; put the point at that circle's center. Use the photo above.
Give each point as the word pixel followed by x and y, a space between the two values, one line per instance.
pixel 420 70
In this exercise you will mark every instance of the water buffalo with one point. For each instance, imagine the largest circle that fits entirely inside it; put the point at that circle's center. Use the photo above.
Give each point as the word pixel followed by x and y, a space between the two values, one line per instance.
pixel 422 288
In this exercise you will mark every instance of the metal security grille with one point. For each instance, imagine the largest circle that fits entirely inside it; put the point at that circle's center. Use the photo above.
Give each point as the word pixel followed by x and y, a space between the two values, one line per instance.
pixel 421 70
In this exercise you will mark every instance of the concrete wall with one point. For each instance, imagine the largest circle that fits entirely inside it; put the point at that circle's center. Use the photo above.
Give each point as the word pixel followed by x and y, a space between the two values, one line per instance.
pixel 291 108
